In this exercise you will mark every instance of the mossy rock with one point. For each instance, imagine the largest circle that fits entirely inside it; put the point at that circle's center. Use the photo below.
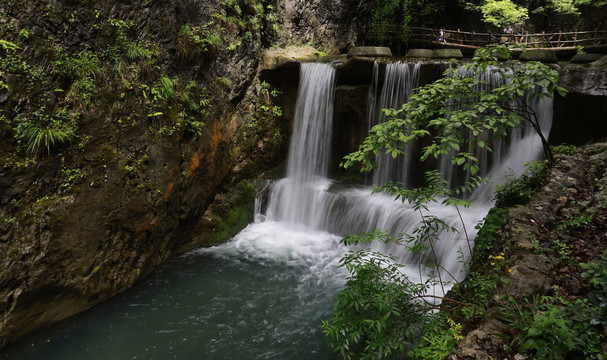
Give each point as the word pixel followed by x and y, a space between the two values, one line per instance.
pixel 419 53
pixel 585 58
pixel 545 56
pixel 447 54
pixel 370 51
pixel 240 212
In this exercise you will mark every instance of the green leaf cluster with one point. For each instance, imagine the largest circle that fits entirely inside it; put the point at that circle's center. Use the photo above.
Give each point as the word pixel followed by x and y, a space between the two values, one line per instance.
pixel 379 312
pixel 515 190
pixel 388 13
pixel 47 132
pixel 459 113
pixel 503 12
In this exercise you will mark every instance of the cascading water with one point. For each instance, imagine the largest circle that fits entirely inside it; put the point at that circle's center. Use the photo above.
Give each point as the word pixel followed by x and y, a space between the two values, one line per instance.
pixel 399 82
pixel 293 199
pixel 263 294
pixel 307 198
pixel 508 155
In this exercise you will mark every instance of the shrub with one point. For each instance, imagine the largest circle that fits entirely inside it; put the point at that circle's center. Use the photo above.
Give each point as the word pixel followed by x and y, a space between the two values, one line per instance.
pixel 377 315
pixel 46 132
pixel 80 65
pixel 554 328
pixel 516 191
pixel 564 149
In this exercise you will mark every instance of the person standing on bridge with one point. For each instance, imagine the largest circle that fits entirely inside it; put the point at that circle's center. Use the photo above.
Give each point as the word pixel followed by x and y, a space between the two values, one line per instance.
pixel 521 34
pixel 441 35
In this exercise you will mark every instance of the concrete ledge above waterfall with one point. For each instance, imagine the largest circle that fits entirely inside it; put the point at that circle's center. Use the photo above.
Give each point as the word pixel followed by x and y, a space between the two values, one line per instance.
pixel 419 53
pixel 447 54
pixel 435 54
pixel 545 56
pixel 370 51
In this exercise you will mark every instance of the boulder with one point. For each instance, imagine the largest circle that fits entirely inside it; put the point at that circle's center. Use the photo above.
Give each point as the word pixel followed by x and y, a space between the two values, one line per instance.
pixel 600 63
pixel 585 58
pixel 275 58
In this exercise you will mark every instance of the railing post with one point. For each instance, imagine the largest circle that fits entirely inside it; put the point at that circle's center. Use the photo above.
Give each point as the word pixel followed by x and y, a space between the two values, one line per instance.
pixel 558 44
pixel 543 38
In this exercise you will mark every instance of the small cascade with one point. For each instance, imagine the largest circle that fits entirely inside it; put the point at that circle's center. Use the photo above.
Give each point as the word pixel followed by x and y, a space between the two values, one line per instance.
pixel 509 154
pixel 400 80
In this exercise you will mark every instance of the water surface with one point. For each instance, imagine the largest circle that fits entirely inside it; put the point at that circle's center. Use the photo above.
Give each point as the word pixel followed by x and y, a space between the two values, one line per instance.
pixel 261 296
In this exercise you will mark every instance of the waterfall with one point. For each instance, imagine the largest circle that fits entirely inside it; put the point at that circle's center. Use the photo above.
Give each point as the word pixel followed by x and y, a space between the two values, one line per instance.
pixel 508 155
pixel 295 199
pixel 307 199
pixel 399 82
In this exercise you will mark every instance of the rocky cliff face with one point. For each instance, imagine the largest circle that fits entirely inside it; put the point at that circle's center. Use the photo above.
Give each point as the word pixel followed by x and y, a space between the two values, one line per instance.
pixel 150 116
pixel 332 25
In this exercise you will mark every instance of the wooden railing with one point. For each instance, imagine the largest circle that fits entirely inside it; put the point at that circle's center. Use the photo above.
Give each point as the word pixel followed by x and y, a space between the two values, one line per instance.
pixel 558 40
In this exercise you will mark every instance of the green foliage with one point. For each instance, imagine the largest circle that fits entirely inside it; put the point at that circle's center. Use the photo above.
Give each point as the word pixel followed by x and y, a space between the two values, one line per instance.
pixel 83 91
pixel 439 342
pixel 197 40
pixel 580 50
pixel 482 280
pixel 378 313
pixel 12 61
pixel 8 46
pixel 518 190
pixel 121 27
pixel 567 7
pixel 488 231
pixel 388 13
pixel 553 328
pixel 451 114
pixel 136 52
pixel 47 132
pixel 453 117
pixel 167 87
pixel 273 19
pixel 578 221
pixel 564 149
pixel 195 108
pixel 503 12
pixel 267 115
pixel 78 66
pixel 24 34
pixel 72 177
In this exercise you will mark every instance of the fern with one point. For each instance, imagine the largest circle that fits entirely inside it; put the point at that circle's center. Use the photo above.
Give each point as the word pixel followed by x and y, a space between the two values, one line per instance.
pixel 47 132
